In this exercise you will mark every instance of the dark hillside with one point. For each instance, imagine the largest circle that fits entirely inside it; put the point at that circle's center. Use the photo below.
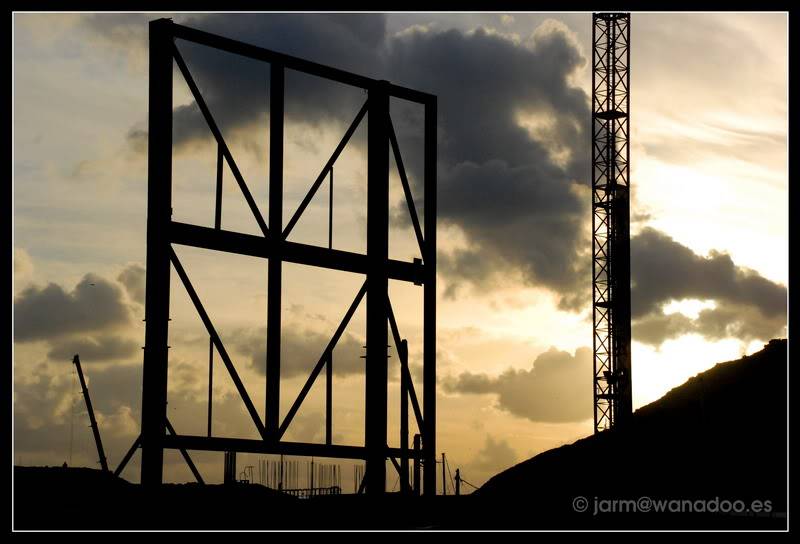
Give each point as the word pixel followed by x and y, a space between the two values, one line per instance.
pixel 721 435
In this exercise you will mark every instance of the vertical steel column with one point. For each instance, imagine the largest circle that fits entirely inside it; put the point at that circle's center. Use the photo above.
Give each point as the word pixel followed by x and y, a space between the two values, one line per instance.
pixel 229 476
pixel 210 380
pixel 329 400
pixel 377 287
pixel 403 355
pixel 218 196
pixel 624 245
pixel 217 226
pixel 417 464
pixel 330 211
pixel 329 366
pixel 429 301
pixel 620 216
pixel 276 86
pixel 159 210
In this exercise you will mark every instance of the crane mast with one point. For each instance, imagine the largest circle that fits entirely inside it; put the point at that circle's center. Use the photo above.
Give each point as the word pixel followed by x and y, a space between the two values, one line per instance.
pixel 611 301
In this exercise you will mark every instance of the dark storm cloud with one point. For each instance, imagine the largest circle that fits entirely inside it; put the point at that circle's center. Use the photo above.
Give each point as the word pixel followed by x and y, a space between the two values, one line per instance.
pixel 484 81
pixel 517 206
pixel 664 270
pixel 94 305
pixel 236 89
pixel 498 184
pixel 745 323
pixel 94 349
pixel 556 389
pixel 515 194
pixel 132 278
pixel 525 218
pixel 655 328
pixel 748 306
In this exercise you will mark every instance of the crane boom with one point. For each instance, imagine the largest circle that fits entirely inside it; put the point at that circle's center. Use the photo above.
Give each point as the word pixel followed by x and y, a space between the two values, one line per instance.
pixel 95 430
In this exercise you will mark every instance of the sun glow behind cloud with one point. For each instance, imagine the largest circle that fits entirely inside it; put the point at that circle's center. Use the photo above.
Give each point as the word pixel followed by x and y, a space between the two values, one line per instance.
pixel 709 169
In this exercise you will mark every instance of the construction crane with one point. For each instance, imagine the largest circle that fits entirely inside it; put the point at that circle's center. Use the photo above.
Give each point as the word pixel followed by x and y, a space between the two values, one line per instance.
pixel 611 300
pixel 103 462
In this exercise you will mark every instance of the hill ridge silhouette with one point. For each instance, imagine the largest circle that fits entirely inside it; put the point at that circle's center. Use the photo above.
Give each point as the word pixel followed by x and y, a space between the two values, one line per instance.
pixel 721 434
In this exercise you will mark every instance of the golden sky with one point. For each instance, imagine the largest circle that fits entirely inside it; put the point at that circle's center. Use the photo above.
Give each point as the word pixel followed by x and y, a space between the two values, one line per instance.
pixel 709 219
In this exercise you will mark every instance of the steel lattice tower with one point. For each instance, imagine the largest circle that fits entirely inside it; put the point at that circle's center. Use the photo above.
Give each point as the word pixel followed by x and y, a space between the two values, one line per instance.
pixel 611 302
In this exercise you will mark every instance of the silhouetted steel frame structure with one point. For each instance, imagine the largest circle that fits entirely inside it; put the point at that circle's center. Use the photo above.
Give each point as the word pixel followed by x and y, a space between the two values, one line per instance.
pixel 611 304
pixel 162 232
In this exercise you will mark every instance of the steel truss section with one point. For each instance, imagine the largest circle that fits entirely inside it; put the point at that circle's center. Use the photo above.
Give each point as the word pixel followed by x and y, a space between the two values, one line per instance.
pixel 273 245
pixel 611 306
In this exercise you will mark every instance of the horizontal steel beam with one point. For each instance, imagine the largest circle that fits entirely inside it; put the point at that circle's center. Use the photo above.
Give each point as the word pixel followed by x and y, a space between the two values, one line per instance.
pixel 205 443
pixel 292 252
pixel 293 63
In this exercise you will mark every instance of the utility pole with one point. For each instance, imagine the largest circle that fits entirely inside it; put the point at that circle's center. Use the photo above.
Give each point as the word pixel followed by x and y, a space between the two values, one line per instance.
pixel 99 443
pixel 611 284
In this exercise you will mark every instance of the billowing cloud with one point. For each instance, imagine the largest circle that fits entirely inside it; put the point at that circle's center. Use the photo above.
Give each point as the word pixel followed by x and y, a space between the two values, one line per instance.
pixel 48 410
pixel 300 351
pixel 527 222
pixel 664 270
pixel 748 306
pixel 94 305
pixel 51 424
pixel 509 188
pixel 654 329
pixel 557 388
pixel 133 279
pixel 236 89
pixel 512 155
pixel 102 349
pixel 500 183
pixel 745 323
pixel 94 320
pixel 495 454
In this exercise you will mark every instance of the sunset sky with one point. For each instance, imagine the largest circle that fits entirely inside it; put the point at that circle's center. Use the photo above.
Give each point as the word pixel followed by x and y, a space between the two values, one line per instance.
pixel 709 247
